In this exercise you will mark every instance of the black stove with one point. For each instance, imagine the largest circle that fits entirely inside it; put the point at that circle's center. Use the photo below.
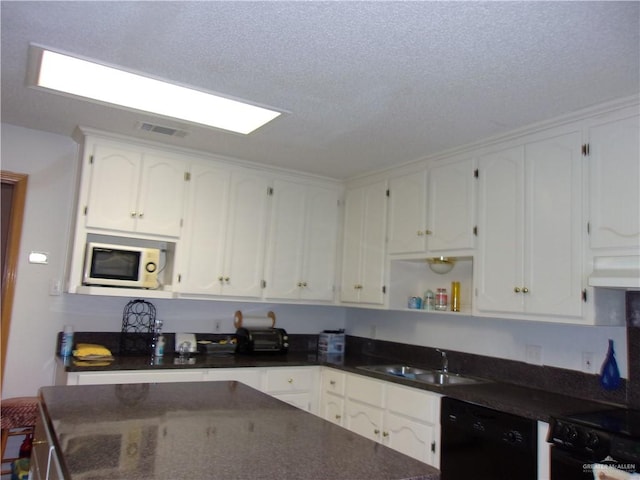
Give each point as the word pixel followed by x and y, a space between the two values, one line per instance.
pixel 604 437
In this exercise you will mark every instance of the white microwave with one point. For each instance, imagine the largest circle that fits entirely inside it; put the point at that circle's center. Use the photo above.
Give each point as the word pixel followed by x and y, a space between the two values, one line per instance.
pixel 121 266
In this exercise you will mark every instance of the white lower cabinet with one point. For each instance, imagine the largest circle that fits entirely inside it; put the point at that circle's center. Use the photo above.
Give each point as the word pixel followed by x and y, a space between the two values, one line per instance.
pixel 403 418
pixel 332 389
pixel 296 386
pixel 44 460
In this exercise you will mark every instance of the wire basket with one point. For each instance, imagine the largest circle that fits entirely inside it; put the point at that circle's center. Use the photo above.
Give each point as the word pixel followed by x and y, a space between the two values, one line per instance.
pixel 138 323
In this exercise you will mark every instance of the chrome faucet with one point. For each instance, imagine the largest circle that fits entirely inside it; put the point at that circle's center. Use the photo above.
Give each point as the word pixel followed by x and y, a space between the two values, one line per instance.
pixel 445 360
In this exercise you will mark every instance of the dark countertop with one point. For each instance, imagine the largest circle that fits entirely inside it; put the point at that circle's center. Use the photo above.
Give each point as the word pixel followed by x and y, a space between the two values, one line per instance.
pixel 527 402
pixel 214 430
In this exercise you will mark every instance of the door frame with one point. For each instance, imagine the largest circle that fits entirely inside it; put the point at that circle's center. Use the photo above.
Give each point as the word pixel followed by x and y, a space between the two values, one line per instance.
pixel 10 274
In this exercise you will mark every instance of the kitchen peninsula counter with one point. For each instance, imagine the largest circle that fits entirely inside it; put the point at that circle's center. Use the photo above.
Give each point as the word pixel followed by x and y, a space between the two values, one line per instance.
pixel 206 430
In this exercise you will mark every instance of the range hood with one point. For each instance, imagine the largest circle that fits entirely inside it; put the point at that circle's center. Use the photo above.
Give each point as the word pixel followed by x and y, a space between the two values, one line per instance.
pixel 616 272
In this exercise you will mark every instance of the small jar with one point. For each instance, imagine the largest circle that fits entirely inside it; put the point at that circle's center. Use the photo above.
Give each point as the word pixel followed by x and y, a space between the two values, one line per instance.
pixel 441 299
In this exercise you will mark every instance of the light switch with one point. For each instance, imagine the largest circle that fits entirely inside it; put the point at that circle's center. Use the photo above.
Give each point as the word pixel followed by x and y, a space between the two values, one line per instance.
pixel 39 257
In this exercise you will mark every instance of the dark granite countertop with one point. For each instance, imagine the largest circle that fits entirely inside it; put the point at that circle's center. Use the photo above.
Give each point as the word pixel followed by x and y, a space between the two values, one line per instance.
pixel 531 403
pixel 213 430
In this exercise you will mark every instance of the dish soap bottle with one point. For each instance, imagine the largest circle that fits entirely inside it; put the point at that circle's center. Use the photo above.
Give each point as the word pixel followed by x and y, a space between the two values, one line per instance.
pixel 610 374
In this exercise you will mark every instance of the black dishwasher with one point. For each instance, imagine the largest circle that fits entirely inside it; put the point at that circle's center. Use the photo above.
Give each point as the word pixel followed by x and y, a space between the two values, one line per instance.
pixel 478 442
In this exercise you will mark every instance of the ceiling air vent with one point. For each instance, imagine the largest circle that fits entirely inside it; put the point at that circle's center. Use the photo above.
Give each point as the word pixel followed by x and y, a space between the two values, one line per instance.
pixel 162 130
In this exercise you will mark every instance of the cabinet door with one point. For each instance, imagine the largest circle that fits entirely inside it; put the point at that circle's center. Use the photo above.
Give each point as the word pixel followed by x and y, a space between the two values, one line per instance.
pixel 286 241
pixel 245 235
pixel 365 420
pixel 407 213
pixel 614 160
pixel 161 198
pixel 409 437
pixel 333 408
pixel 373 243
pixel 500 231
pixel 201 252
pixel 352 252
pixel 553 235
pixel 451 201
pixel 113 190
pixel 320 244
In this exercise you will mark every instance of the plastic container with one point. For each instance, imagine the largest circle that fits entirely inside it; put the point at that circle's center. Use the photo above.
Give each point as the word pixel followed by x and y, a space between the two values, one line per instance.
pixel 66 345
pixel 159 348
pixel 429 300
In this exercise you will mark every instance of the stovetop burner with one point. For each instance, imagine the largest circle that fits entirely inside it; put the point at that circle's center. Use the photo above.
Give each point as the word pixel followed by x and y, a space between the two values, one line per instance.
pixel 618 421
pixel 594 436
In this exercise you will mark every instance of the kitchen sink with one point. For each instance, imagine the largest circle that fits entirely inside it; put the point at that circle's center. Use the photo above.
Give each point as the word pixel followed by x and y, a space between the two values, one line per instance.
pixel 430 377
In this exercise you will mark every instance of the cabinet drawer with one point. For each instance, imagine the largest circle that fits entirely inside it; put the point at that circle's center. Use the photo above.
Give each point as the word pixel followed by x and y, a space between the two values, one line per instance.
pixel 413 403
pixel 288 379
pixel 248 376
pixel 365 390
pixel 135 376
pixel 333 381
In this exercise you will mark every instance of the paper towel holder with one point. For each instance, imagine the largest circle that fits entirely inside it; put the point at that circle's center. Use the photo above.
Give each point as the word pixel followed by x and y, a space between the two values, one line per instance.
pixel 238 318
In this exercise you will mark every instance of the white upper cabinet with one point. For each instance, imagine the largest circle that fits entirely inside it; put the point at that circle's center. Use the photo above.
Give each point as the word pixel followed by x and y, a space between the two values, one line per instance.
pixel 529 228
pixel 451 200
pixel 134 190
pixel 433 211
pixel 407 229
pixel 225 232
pixel 613 155
pixel 303 239
pixel 363 259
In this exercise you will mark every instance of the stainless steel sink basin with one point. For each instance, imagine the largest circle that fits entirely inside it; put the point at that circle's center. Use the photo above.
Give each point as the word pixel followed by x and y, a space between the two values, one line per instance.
pixel 431 377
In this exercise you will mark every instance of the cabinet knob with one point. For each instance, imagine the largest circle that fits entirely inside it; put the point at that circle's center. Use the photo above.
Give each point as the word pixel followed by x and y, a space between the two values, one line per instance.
pixel 385 434
pixel 332 382
pixel 140 215
pixel 134 214
pixel 525 290
pixel 220 279
pixel 299 284
pixel 516 289
pixel 304 284
pixel 290 380
pixel 226 279
pixel 338 417
pixel 376 431
pixel 428 232
pixel 420 233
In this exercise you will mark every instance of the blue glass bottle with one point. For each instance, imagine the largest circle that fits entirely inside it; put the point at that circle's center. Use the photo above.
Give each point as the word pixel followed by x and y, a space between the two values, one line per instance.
pixel 610 374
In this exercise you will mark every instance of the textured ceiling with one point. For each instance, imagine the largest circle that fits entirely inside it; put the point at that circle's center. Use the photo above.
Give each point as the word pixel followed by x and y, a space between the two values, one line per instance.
pixel 365 84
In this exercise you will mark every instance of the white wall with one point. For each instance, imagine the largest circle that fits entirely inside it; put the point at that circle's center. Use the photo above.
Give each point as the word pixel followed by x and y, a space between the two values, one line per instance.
pixel 50 161
pixel 562 344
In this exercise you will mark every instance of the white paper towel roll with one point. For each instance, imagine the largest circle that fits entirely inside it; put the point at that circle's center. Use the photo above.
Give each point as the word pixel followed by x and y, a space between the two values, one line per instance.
pixel 254 322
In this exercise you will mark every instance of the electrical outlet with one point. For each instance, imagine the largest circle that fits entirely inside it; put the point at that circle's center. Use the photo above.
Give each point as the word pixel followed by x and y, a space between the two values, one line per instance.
pixel 55 287
pixel 587 362
pixel 533 354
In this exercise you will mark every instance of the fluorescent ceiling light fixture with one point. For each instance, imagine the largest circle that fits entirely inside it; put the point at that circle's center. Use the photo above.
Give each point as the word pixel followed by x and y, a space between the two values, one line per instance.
pixel 106 84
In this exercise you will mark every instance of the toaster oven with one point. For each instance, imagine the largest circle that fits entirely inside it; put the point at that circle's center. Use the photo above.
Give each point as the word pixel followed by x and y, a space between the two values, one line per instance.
pixel 262 340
